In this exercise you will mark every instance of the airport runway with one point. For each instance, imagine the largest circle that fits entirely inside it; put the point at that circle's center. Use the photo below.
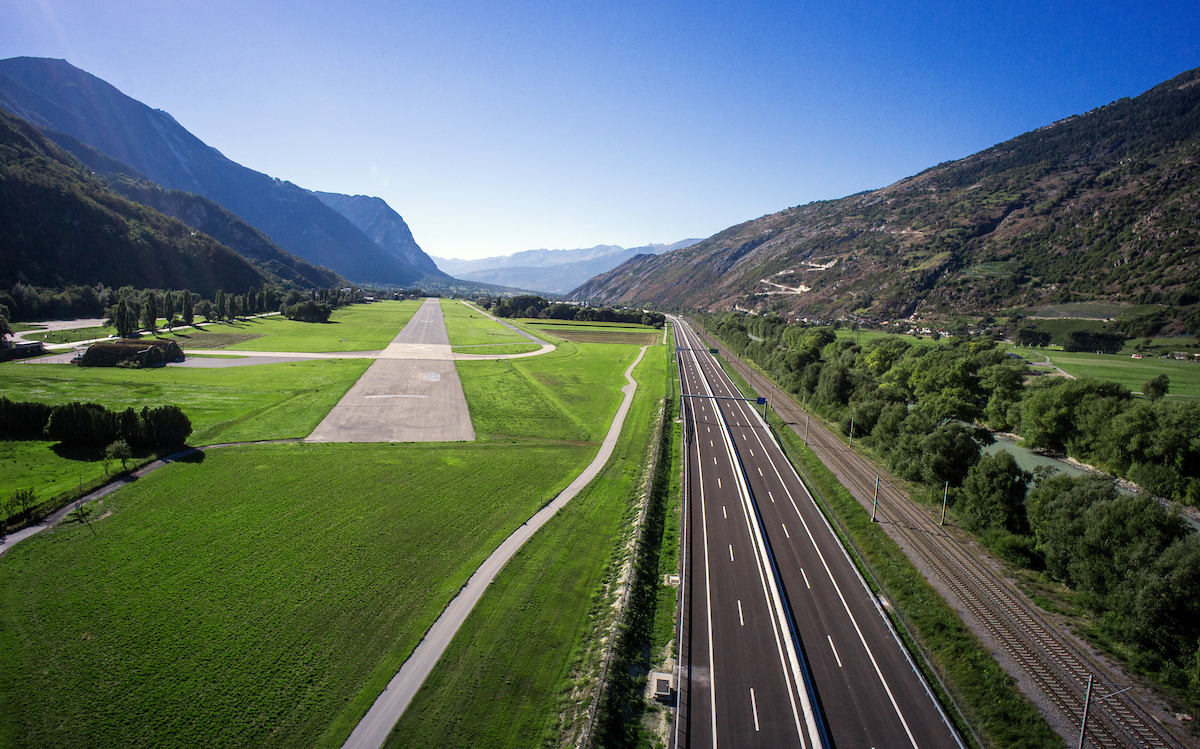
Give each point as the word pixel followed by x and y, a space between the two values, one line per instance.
pixel 410 393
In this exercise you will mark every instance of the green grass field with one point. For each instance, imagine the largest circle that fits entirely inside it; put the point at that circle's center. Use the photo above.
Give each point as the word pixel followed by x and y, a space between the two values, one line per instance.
pixel 467 327
pixel 506 685
pixel 569 394
pixel 1132 373
pixel 357 327
pixel 538 322
pixel 268 401
pixel 262 597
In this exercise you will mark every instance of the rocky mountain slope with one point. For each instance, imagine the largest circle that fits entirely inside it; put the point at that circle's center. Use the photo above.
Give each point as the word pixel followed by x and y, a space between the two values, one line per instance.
pixel 375 218
pixel 54 94
pixel 1104 205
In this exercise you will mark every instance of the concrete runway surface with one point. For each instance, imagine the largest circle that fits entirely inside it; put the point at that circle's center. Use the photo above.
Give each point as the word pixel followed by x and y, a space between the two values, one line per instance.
pixel 411 393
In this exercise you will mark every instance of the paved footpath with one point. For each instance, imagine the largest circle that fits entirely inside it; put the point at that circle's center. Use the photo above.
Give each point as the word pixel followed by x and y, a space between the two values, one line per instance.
pixel 373 729
pixel 410 393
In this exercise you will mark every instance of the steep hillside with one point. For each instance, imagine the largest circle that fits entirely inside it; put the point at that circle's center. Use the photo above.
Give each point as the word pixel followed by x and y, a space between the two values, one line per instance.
pixel 222 225
pixel 54 94
pixel 60 224
pixel 1103 205
pixel 375 218
pixel 552 271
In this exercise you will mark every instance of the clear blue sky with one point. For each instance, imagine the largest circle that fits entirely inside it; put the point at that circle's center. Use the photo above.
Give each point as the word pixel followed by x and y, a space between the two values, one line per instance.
pixel 496 127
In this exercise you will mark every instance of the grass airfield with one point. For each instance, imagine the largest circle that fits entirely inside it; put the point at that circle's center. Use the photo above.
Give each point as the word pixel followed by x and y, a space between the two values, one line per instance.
pixel 262 596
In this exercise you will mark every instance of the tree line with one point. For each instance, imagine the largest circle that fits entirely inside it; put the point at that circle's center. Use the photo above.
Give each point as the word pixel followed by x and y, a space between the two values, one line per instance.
pixel 130 309
pixel 927 410
pixel 531 306
pixel 79 424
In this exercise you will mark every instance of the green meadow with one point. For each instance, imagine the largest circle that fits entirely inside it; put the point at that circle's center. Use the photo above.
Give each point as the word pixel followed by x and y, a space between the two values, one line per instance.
pixel 357 327
pixel 467 327
pixel 571 393
pixel 235 404
pixel 581 325
pixel 1121 368
pixel 261 597
pixel 494 349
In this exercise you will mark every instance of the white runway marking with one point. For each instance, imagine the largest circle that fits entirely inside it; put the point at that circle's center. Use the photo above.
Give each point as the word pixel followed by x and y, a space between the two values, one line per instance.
pixel 394 396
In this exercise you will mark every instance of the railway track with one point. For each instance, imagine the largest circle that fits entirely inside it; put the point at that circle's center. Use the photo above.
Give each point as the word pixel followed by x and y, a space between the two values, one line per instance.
pixel 1051 662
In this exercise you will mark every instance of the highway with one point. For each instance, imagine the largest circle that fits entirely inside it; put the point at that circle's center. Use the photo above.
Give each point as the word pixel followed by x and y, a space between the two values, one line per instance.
pixel 1039 655
pixel 782 643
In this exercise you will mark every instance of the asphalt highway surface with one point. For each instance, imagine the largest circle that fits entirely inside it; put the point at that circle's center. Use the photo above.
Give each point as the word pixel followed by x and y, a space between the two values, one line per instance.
pixel 785 645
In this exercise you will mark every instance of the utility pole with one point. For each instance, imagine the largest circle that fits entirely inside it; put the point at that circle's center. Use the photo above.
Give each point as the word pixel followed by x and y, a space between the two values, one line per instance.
pixel 875 503
pixel 945 493
pixel 1087 703
pixel 851 431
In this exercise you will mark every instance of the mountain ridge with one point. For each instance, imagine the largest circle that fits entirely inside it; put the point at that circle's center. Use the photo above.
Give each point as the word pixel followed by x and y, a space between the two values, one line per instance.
pixel 55 94
pixel 383 225
pixel 1094 206
pixel 60 225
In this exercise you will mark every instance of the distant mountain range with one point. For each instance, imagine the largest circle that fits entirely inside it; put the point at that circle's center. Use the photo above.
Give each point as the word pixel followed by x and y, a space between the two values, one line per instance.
pixel 1103 205
pixel 115 134
pixel 551 271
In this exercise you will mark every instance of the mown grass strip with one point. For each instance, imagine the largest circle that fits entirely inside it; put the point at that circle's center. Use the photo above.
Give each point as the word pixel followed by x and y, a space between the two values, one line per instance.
pixel 506 679
pixel 571 393
pixel 997 713
pixel 467 327
pixel 262 597
pixel 357 327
